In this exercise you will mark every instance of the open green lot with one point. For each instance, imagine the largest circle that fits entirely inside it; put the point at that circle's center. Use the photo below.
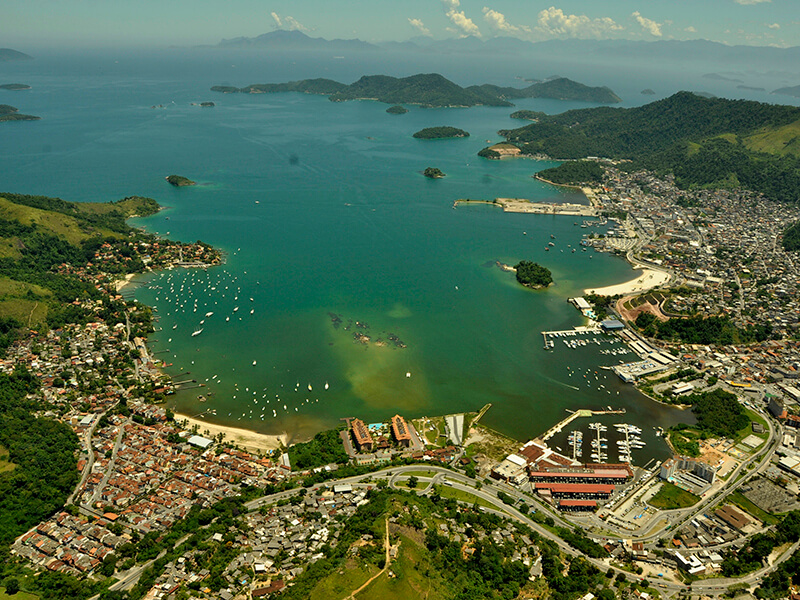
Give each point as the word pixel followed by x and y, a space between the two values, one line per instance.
pixel 742 502
pixel 5 464
pixel 17 596
pixel 671 496
pixel 448 492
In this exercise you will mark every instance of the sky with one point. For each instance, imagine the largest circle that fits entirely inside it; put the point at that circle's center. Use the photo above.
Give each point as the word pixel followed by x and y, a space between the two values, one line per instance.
pixel 80 23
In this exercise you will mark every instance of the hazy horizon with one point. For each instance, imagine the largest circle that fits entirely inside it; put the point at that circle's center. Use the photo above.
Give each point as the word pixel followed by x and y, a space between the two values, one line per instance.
pixel 52 24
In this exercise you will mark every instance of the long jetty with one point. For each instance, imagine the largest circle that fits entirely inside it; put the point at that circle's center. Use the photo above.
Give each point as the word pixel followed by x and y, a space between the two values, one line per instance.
pixel 520 205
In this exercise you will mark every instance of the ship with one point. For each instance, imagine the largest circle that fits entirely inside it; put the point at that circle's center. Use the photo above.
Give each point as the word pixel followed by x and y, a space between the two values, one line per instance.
pixel 196 333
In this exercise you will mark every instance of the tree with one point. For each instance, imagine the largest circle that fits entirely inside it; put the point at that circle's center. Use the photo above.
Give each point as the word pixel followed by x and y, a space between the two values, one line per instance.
pixel 412 482
pixel 12 586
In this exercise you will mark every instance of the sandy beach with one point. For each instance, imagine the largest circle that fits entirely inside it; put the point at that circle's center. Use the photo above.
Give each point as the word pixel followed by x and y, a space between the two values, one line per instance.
pixel 121 283
pixel 649 279
pixel 250 440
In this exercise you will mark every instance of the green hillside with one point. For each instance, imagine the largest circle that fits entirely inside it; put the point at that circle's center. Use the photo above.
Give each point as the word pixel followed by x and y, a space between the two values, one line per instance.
pixel 39 234
pixel 704 141
pixel 430 90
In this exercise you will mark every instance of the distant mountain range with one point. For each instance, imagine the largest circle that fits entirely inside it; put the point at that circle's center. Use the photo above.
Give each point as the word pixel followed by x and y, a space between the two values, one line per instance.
pixel 687 50
pixel 431 90
pixel 7 55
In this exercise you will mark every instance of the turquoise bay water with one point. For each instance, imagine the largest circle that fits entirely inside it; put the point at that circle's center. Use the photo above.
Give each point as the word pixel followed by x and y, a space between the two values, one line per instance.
pixel 324 215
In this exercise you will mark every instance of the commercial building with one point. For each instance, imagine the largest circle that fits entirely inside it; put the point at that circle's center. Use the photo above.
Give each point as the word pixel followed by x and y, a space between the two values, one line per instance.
pixel 582 491
pixel 361 435
pixel 400 431
pixel 596 476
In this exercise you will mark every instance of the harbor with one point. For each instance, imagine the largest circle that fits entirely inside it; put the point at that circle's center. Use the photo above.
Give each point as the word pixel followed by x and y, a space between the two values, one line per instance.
pixel 521 205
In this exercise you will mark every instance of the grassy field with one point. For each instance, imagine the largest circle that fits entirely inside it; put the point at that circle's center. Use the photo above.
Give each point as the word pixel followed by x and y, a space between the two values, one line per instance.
pixel 745 431
pixel 420 473
pixel 5 465
pixel 446 491
pixel 410 577
pixel 739 500
pixel 28 312
pixel 494 445
pixel 776 140
pixel 17 596
pixel 60 224
pixel 342 583
pixel 671 496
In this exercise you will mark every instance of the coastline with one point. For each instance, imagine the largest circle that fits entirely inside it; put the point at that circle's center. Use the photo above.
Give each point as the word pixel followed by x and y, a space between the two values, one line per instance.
pixel 250 440
pixel 120 284
pixel 649 279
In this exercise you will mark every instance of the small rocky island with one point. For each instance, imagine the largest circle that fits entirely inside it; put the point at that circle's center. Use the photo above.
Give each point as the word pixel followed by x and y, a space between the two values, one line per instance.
pixel 440 133
pixel 533 275
pixel 433 173
pixel 179 181
pixel 397 110
pixel 14 87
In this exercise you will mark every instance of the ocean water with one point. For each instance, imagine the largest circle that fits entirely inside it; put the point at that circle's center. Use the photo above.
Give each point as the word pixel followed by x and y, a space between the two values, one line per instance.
pixel 330 232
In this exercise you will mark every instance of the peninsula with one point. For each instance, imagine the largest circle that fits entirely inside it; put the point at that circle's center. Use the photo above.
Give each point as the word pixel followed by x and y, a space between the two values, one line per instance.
pixel 714 143
pixel 440 133
pixel 431 90
pixel 7 55
pixel 179 181
pixel 11 113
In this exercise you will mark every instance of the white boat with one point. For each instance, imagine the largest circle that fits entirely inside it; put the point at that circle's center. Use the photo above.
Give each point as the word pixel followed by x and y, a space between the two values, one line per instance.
pixel 235 309
pixel 208 314
pixel 196 333
pixel 254 363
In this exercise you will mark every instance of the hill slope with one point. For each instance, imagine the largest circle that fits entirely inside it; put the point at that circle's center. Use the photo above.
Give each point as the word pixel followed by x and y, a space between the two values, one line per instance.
pixel 703 141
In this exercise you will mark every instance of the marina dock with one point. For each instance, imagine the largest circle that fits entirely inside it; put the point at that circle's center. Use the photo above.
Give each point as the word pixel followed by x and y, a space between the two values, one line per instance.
pixel 583 412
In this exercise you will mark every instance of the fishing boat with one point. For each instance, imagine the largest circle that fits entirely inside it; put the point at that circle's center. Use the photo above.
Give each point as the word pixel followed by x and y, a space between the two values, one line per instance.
pixel 196 333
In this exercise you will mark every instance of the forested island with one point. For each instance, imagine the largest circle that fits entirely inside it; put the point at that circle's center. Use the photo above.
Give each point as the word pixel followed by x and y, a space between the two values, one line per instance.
pixel 433 173
pixel 11 113
pixel 533 275
pixel 14 87
pixel 793 91
pixel 430 90
pixel 7 55
pixel 704 142
pixel 397 110
pixel 528 115
pixel 179 181
pixel 440 133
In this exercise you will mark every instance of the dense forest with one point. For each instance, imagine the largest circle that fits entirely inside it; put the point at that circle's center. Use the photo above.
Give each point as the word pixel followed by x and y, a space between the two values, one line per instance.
pixel 438 133
pixel 323 449
pixel 718 412
pixel 701 330
pixel 791 238
pixel 431 90
pixel 397 110
pixel 528 115
pixel 703 141
pixel 533 275
pixel 574 172
pixel 43 451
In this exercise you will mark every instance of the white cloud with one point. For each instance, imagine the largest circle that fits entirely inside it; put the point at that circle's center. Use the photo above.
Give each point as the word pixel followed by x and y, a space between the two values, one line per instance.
pixel 774 25
pixel 648 25
pixel 690 29
pixel 749 2
pixel 497 21
pixel 463 24
pixel 555 22
pixel 288 22
pixel 419 26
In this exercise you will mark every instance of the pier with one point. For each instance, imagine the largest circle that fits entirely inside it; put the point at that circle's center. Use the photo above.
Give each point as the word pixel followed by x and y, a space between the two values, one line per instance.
pixel 583 412
pixel 579 330
pixel 520 205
